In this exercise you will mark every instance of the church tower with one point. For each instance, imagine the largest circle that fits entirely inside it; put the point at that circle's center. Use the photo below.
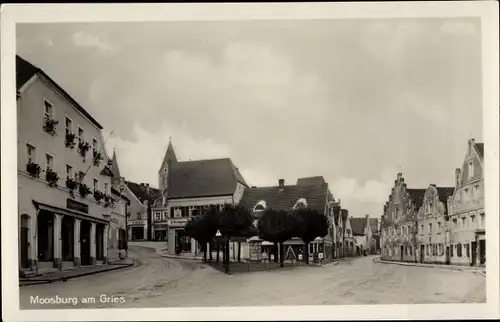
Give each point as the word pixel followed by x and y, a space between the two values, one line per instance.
pixel 165 165
pixel 117 179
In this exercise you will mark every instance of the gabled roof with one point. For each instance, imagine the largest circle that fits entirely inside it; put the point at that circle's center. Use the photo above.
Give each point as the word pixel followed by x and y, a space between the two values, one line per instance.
pixel 336 214
pixel 25 71
pixel 203 178
pixel 311 181
pixel 480 149
pixel 444 193
pixel 358 225
pixel 417 196
pixel 284 198
pixel 345 215
pixel 169 156
pixel 140 191
pixel 373 224
pixel 114 166
pixel 117 193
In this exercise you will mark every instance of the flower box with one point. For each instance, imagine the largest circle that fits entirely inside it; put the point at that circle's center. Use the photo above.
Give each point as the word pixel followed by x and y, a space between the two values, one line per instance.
pixel 98 196
pixel 71 184
pixel 33 169
pixel 97 158
pixel 84 190
pixel 49 125
pixel 83 147
pixel 70 140
pixel 52 178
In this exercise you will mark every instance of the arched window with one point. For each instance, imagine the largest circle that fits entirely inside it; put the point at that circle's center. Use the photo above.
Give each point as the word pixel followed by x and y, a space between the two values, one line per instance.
pixel 301 203
pixel 260 206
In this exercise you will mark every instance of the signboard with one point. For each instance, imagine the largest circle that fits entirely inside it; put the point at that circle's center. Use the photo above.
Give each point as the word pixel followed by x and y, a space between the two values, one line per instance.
pixel 78 206
pixel 177 222
pixel 320 255
pixel 290 254
pixel 300 257
pixel 136 222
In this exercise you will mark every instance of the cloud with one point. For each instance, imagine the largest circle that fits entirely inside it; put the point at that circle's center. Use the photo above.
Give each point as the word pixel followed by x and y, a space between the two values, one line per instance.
pixel 84 39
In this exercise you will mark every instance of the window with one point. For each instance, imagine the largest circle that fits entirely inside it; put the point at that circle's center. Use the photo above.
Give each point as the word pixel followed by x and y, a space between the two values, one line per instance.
pixel 68 125
pixel 421 229
pixel 30 152
pixel 467 250
pixel 439 225
pixel 157 215
pixel 471 169
pixel 459 250
pixel 94 144
pixel 139 215
pixel 105 187
pixel 482 220
pixel 430 228
pixel 451 250
pixel 80 176
pixel 464 222
pixel 455 223
pixel 472 221
pixel 48 110
pixel 476 191
pixel 49 162
pixel 411 250
pixel 80 133
pixel 466 194
pixel 69 171
pixel 96 184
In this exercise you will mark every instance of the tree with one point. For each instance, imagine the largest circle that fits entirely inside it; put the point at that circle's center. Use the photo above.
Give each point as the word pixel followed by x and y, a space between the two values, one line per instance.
pixel 277 226
pixel 212 215
pixel 310 225
pixel 234 220
pixel 201 230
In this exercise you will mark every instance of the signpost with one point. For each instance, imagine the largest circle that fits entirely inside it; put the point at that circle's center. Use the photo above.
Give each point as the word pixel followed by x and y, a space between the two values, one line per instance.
pixel 290 254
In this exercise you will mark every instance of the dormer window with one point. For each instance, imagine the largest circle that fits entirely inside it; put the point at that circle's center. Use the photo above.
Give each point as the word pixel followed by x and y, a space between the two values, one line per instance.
pixel 471 169
pixel 260 206
pixel 301 203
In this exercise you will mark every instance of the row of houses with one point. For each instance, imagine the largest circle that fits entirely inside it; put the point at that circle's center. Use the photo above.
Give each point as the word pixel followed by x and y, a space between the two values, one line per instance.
pixel 443 225
pixel 76 209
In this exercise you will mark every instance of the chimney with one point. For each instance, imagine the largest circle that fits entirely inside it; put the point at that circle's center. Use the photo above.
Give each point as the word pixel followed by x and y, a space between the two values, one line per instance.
pixel 281 183
pixel 457 177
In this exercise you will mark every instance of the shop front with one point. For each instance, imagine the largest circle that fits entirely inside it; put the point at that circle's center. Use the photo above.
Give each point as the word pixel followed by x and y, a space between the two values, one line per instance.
pixel 160 231
pixel 178 242
pixel 138 229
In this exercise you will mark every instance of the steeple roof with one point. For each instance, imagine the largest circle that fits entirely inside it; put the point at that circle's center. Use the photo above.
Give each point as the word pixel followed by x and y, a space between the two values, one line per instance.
pixel 114 166
pixel 169 155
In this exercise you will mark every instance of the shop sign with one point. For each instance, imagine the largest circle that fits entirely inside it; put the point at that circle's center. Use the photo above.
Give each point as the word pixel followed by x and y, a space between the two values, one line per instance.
pixel 177 222
pixel 78 206
pixel 136 222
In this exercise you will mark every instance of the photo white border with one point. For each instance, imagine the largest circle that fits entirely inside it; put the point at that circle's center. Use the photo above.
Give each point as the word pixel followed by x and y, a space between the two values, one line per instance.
pixel 30 13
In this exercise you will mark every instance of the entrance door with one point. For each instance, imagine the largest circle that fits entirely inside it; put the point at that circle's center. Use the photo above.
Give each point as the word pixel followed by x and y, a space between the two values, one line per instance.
pixel 137 233
pixel 401 250
pixel 473 246
pixel 85 243
pixel 422 253
pixel 99 238
pixel 448 257
pixel 45 225
pixel 482 251
pixel 24 240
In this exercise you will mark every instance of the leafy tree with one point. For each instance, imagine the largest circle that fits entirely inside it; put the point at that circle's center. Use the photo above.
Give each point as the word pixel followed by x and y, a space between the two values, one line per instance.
pixel 199 228
pixel 310 225
pixel 277 226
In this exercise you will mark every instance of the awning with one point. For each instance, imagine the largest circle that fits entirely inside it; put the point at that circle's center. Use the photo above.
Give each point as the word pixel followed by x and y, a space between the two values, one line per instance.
pixel 293 242
pixel 67 212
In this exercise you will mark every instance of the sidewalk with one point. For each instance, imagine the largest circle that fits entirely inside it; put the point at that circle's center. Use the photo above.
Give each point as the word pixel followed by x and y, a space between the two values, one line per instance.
pixel 65 275
pixel 474 269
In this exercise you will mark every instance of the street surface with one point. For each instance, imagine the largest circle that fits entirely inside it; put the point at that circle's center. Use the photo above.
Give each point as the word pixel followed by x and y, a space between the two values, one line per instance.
pixel 162 282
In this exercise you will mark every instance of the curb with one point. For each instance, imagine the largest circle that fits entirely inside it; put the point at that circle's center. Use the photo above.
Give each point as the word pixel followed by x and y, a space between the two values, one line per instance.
pixel 453 268
pixel 65 278
pixel 181 257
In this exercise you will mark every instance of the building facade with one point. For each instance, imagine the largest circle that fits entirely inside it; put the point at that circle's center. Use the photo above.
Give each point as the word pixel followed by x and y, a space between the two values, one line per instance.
pixel 375 230
pixel 64 182
pixel 467 219
pixel 310 192
pixel 433 229
pixel 191 187
pixel 400 223
pixel 362 233
pixel 349 242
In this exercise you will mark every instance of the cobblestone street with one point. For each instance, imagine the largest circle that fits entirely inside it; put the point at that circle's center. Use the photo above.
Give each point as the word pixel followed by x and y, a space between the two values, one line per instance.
pixel 161 282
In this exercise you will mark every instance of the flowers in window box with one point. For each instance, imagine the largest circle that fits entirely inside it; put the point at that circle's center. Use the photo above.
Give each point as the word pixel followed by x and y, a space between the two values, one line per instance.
pixel 51 177
pixel 83 147
pixel 97 158
pixel 70 140
pixel 49 125
pixel 84 190
pixel 98 195
pixel 33 169
pixel 71 185
pixel 109 201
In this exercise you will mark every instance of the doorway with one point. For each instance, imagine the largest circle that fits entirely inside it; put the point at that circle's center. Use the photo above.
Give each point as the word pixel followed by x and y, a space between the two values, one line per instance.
pixel 24 240
pixel 473 246
pixel 99 239
pixel 45 227
pixel 85 243
pixel 67 238
pixel 482 251
pixel 448 255
pixel 401 252
pixel 422 253
pixel 137 233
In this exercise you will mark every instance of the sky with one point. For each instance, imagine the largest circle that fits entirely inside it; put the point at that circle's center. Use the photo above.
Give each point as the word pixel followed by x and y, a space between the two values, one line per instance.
pixel 356 101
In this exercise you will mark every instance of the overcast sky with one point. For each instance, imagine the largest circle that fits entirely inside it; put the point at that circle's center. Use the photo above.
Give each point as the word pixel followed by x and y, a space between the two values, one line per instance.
pixel 353 100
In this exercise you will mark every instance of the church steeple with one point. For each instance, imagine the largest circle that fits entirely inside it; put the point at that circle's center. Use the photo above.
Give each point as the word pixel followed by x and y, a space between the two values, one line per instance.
pixel 114 166
pixel 165 165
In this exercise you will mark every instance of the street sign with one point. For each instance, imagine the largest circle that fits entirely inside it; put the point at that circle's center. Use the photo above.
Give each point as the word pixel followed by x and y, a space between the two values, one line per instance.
pixel 218 234
pixel 290 254
pixel 300 257
pixel 320 255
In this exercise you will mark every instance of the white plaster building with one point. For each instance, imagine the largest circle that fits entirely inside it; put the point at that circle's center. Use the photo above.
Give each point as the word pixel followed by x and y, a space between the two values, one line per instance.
pixel 64 183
